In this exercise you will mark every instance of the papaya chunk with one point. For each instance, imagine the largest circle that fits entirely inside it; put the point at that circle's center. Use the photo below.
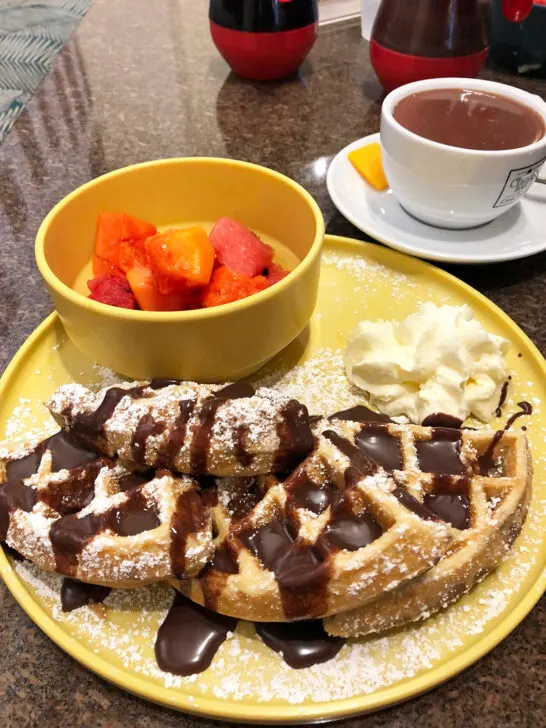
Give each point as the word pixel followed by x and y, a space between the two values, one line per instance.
pixel 112 228
pixel 103 267
pixel 131 254
pixel 184 256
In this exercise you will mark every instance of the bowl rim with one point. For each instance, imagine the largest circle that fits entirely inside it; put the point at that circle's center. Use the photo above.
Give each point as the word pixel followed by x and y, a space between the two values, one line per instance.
pixel 123 314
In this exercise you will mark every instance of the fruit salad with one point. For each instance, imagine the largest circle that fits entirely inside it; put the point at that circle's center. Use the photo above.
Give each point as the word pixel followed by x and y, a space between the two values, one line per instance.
pixel 137 267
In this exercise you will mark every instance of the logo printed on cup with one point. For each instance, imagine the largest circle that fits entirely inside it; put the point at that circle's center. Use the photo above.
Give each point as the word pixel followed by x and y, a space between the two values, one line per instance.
pixel 517 183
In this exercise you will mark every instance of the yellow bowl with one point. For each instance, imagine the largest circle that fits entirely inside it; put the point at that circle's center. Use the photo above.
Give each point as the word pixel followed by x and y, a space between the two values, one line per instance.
pixel 221 343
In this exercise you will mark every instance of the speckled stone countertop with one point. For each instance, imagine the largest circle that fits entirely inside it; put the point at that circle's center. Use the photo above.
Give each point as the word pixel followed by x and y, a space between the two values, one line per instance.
pixel 138 83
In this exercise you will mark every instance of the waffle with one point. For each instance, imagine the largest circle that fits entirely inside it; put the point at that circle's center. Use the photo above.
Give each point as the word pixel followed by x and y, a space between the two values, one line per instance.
pixel 99 520
pixel 190 428
pixel 378 525
pixel 498 489
pixel 337 533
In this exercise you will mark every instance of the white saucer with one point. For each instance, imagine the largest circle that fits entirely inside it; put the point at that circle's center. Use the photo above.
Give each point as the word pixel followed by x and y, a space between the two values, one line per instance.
pixel 519 232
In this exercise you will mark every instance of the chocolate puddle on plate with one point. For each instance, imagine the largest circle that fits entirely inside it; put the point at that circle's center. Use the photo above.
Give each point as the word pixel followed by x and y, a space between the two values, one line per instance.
pixel 191 635
pixel 76 594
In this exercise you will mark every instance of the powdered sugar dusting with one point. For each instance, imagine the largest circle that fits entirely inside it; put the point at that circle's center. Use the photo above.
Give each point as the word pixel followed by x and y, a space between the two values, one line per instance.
pixel 245 669
pixel 365 269
pixel 18 424
pixel 319 382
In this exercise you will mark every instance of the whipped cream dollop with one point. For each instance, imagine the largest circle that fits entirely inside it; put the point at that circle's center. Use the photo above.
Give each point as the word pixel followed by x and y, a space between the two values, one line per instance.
pixel 439 359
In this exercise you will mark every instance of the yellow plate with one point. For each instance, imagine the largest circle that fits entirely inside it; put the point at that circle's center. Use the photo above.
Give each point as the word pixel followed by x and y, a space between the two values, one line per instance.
pixel 247 681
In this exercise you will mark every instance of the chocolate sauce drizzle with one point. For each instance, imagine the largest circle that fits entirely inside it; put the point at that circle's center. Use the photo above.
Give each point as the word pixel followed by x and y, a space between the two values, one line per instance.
pixel 347 529
pixel 441 454
pixel 147 427
pixel 162 382
pixel 223 561
pixel 502 400
pixel 440 419
pixel 136 478
pixel 359 413
pixel 300 572
pixel 69 535
pixel 167 455
pixel 413 505
pixel 76 594
pixel 450 501
pixel 190 635
pixel 295 437
pixel 87 427
pixel 66 453
pixel 243 456
pixel 293 429
pixel 14 495
pixel 201 438
pixel 486 463
pixel 359 460
pixel 190 516
pixel 380 446
pixel 244 493
pixel 303 492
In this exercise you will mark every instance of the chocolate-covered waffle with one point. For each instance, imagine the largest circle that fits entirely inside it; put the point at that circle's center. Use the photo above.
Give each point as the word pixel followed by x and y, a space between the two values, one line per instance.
pixel 334 534
pixel 190 428
pixel 480 483
pixel 99 520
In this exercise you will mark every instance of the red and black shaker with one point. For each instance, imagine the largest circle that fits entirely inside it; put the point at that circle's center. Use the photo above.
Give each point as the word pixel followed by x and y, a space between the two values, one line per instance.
pixel 417 39
pixel 264 39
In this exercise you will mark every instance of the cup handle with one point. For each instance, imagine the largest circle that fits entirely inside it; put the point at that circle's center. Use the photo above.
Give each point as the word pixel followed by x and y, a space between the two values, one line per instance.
pixel 540 180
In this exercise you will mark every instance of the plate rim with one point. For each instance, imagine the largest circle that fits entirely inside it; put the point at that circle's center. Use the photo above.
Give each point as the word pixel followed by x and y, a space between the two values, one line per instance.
pixel 388 240
pixel 263 713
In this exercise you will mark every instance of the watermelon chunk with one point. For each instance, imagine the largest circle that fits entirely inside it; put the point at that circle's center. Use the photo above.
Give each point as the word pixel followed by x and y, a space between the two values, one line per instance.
pixel 228 285
pixel 275 273
pixel 112 290
pixel 239 249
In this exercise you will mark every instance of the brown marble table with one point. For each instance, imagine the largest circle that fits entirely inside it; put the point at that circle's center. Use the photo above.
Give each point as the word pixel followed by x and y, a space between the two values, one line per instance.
pixel 140 81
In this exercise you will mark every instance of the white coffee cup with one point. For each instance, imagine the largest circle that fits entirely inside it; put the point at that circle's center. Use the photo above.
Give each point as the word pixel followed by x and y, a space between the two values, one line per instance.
pixel 449 186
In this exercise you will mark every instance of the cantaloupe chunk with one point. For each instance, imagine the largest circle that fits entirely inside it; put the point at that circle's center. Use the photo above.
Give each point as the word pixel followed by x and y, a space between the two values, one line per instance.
pixel 367 162
pixel 149 297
